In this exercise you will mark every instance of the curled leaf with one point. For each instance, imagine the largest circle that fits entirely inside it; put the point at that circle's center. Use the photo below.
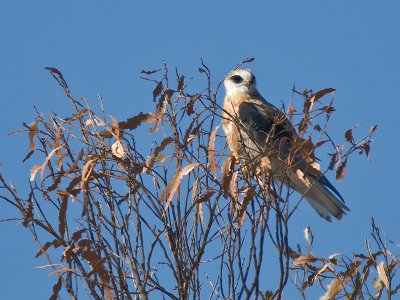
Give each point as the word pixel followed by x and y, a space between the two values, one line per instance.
pixel 117 149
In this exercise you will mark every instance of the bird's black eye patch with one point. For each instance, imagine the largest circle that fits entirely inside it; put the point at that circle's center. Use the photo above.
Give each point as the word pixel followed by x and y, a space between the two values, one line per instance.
pixel 253 79
pixel 236 79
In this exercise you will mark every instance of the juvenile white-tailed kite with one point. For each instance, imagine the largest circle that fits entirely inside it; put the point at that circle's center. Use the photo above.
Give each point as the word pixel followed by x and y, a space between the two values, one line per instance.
pixel 259 134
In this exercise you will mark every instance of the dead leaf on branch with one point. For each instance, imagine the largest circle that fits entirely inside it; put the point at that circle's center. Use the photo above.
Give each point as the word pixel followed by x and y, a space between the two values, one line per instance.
pixel 227 170
pixel 157 156
pixel 56 289
pixel 44 249
pixel 340 170
pixel 32 131
pixel 95 121
pixel 181 82
pixel 157 90
pixel 62 216
pixel 161 107
pixel 316 96
pixel 59 77
pixel 338 284
pixel 97 264
pixel 304 259
pixel 349 135
pixel 249 194
pixel 173 185
pixel 87 170
pixel 190 104
pixel 210 152
pixel 334 288
pixel 118 149
pixel 150 71
pixel 382 274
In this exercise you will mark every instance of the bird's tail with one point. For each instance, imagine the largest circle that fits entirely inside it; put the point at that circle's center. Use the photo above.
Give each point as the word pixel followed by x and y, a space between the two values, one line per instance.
pixel 325 199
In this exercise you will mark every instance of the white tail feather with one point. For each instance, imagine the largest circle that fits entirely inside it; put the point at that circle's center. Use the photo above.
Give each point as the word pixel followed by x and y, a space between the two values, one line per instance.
pixel 320 198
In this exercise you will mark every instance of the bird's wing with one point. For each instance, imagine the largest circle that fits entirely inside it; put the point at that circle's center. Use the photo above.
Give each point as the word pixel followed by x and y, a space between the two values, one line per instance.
pixel 264 123
pixel 262 120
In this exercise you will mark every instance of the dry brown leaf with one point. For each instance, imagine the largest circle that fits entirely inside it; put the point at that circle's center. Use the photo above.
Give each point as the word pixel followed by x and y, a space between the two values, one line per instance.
pixel 320 143
pixel 74 182
pixel 340 170
pixel 95 121
pixel 135 121
pixel 115 125
pixel 161 108
pixel 205 197
pixel 233 187
pixel 181 82
pixel 56 289
pixel 243 205
pixel 199 208
pixel 157 157
pixel 173 185
pixel 97 264
pixel 190 105
pixel 149 72
pixel 87 170
pixel 74 166
pixel 42 166
pixel 43 249
pixel 64 270
pixel 76 236
pixel 191 133
pixel 210 152
pixel 31 135
pixel 33 171
pixel 157 90
pixel 77 115
pixel 337 284
pixel 60 78
pixel 57 138
pixel 319 95
pixel 313 276
pixel 62 216
pixel 304 259
pixel 349 135
pixel 382 274
pixel 328 109
pixel 194 190
pixel 334 288
pixel 227 172
pixel 366 149
pixel 117 149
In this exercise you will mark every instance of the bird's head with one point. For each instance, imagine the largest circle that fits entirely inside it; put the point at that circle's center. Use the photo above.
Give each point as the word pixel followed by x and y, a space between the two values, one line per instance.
pixel 240 81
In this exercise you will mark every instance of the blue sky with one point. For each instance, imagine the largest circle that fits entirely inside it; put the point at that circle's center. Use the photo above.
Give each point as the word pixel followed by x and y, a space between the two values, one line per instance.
pixel 101 47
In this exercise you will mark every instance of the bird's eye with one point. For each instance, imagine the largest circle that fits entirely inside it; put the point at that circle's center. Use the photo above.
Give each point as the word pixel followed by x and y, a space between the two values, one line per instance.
pixel 236 79
pixel 253 79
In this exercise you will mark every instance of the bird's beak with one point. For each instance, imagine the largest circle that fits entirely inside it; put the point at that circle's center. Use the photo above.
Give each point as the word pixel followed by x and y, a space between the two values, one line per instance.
pixel 246 83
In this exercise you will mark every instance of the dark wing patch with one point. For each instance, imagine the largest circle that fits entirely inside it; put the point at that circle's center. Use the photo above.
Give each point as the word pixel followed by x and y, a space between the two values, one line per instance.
pixel 259 120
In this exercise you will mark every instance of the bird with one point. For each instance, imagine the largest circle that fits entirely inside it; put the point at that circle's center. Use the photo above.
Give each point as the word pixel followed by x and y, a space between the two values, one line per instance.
pixel 259 134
